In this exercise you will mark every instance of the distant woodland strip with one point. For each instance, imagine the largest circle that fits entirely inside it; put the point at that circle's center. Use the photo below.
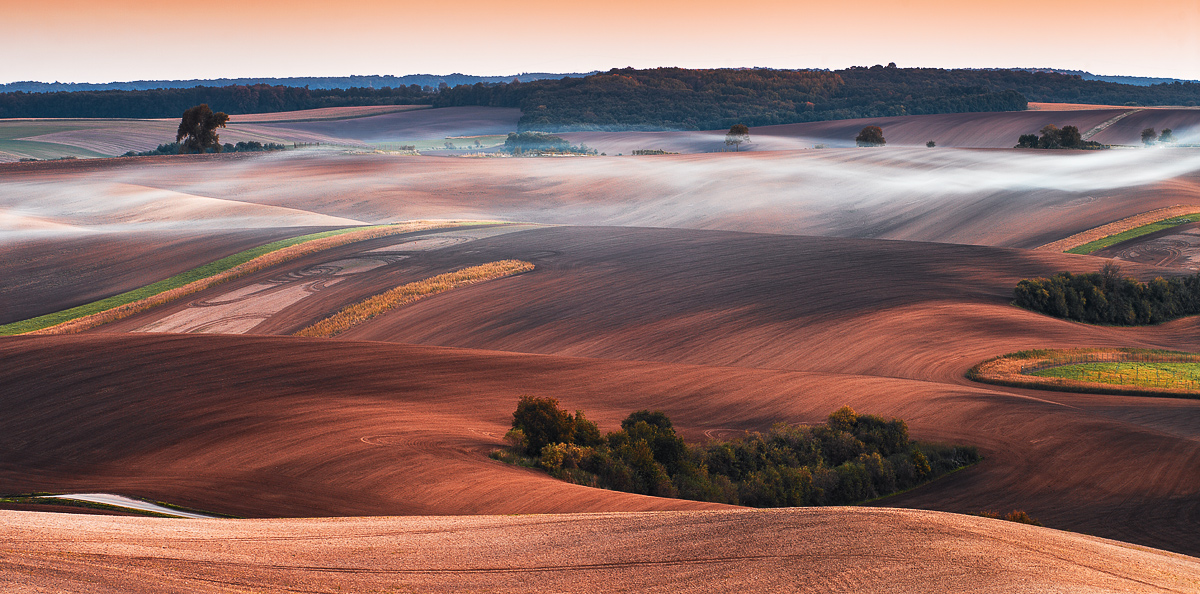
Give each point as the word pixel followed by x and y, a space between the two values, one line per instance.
pixel 117 307
pixel 1116 227
pixel 409 293
pixel 661 98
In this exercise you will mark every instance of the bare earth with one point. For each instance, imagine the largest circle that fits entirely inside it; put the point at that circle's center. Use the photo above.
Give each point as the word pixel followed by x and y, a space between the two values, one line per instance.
pixel 793 550
pixel 731 291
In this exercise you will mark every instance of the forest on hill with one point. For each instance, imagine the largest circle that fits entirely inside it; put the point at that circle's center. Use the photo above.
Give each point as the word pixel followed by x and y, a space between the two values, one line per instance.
pixel 656 99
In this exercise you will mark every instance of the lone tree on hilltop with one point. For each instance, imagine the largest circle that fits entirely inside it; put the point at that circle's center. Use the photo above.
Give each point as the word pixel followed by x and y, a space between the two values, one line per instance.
pixel 738 133
pixel 198 129
pixel 870 136
pixel 1166 136
pixel 1148 136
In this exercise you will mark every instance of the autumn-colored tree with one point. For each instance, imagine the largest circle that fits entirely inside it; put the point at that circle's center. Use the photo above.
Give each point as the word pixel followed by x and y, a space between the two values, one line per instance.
pixel 198 129
pixel 870 136
pixel 738 133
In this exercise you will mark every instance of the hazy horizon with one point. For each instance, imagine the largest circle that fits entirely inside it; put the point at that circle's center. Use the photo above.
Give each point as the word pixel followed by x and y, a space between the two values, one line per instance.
pixel 127 40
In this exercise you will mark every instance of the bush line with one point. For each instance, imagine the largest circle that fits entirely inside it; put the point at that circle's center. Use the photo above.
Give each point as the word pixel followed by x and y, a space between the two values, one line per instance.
pixel 851 459
pixel 405 294
pixel 124 305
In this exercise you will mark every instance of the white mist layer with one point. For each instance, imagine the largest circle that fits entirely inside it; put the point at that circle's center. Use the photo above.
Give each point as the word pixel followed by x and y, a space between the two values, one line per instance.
pixel 992 197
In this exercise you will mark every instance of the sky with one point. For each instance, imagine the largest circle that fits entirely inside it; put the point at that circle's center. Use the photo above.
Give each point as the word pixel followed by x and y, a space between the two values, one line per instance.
pixel 118 40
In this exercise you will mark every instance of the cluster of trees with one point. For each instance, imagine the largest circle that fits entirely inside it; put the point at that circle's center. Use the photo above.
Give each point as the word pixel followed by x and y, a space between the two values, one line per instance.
pixel 1106 297
pixel 849 459
pixel 1053 137
pixel 175 148
pixel 542 143
pixel 1149 136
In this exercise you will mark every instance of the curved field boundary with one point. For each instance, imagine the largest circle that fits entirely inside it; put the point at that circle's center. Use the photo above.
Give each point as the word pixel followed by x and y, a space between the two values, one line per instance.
pixel 1014 370
pixel 1102 232
pixel 197 279
pixel 409 293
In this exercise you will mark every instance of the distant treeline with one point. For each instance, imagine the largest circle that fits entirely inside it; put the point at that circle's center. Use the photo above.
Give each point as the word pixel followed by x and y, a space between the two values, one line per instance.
pixel 313 82
pixel 170 103
pixel 1106 297
pixel 542 143
pixel 849 459
pixel 174 148
pixel 662 98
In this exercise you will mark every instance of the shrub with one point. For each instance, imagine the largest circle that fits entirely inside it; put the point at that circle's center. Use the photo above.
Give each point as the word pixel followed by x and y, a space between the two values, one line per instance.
pixel 1015 515
pixel 543 423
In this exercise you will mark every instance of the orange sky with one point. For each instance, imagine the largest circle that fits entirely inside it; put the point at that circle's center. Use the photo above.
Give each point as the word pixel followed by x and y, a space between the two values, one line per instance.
pixel 101 41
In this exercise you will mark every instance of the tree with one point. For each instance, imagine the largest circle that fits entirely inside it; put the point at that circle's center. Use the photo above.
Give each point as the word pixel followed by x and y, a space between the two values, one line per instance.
pixel 870 136
pixel 543 423
pixel 738 133
pixel 1167 136
pixel 1069 137
pixel 1027 141
pixel 1051 136
pixel 931 144
pixel 198 129
pixel 1148 136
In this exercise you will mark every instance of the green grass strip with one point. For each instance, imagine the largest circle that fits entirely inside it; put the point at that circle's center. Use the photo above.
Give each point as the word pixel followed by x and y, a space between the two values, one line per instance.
pixel 1180 376
pixel 1099 244
pixel 179 280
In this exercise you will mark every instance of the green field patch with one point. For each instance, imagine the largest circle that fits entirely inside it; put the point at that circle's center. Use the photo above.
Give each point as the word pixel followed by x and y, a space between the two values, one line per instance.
pixel 1178 376
pixel 1111 240
pixel 173 282
pixel 1125 371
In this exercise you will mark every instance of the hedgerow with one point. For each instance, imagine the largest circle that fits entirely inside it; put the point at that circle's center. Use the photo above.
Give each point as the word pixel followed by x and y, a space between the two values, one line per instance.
pixel 849 459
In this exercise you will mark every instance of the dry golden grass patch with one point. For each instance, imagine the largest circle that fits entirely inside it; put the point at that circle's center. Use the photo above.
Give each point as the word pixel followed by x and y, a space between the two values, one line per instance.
pixel 264 261
pixel 406 294
pixel 1016 369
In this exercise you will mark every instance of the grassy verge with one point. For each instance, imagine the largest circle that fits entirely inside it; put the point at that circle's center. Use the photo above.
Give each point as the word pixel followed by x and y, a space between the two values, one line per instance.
pixel 1126 372
pixel 405 294
pixel 1111 240
pixel 197 279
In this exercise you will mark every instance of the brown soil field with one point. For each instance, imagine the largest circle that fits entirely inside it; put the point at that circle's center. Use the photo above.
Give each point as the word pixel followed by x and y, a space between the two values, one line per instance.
pixel 724 331
pixel 1176 247
pixel 1006 198
pixel 325 113
pixel 975 130
pixel 45 275
pixel 731 291
pixel 403 126
pixel 1116 227
pixel 1184 122
pixel 795 550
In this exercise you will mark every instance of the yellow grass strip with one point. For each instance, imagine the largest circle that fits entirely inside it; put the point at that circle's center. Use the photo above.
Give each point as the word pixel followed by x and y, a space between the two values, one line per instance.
pixel 1116 227
pixel 409 293
pixel 264 261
